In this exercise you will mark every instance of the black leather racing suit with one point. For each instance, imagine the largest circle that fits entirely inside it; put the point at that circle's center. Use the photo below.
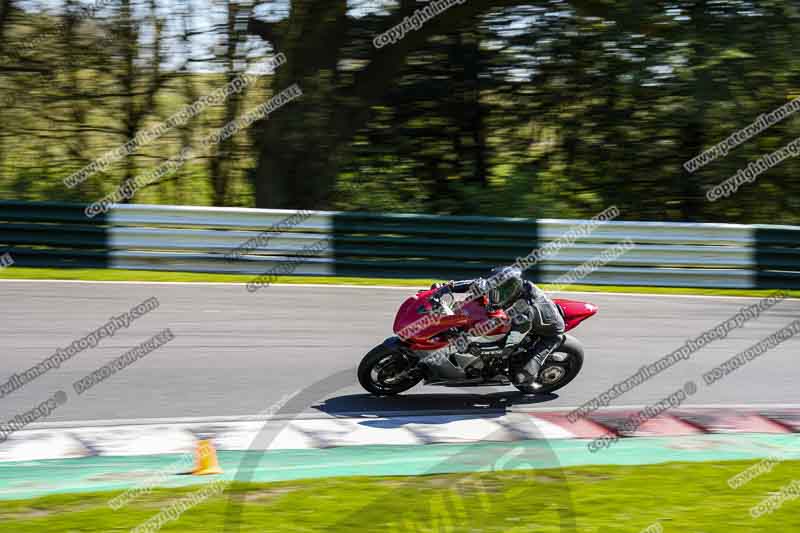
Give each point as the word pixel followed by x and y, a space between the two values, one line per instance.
pixel 532 313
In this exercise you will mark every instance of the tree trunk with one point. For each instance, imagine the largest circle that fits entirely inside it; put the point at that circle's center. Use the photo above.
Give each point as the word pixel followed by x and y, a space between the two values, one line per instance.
pixel 298 147
pixel 294 144
pixel 692 198
pixel 220 161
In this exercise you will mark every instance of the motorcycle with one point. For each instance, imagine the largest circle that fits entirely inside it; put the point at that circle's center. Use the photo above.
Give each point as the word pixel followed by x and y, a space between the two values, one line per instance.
pixel 461 344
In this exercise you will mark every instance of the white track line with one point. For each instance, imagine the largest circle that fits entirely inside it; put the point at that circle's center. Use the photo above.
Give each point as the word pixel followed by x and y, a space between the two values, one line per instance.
pixel 682 407
pixel 388 415
pixel 365 287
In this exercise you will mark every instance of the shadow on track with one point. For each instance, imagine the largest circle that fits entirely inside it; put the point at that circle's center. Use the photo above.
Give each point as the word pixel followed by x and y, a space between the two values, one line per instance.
pixel 366 405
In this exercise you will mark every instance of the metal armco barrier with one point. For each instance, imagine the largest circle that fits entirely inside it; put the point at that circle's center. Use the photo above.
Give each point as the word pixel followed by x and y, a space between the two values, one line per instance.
pixel 197 239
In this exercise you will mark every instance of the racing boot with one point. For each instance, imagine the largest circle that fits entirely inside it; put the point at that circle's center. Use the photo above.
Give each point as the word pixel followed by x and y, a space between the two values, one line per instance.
pixel 530 371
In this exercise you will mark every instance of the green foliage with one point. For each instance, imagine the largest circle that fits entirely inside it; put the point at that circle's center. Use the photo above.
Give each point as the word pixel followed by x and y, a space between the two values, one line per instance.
pixel 548 109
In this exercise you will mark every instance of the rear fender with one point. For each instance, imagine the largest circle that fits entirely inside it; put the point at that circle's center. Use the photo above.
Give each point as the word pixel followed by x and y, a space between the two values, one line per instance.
pixel 567 337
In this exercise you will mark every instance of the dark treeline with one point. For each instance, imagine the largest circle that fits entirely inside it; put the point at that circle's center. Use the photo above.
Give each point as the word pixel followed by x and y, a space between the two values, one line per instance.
pixel 498 107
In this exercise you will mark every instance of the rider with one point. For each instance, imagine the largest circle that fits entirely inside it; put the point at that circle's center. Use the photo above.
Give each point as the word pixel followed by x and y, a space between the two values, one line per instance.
pixel 533 313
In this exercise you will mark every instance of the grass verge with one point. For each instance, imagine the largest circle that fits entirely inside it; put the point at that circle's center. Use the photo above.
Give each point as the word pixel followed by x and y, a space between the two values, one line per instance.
pixel 681 497
pixel 158 276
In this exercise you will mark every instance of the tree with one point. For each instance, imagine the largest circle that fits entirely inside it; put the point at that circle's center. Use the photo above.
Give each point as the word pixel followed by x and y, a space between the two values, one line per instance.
pixel 295 167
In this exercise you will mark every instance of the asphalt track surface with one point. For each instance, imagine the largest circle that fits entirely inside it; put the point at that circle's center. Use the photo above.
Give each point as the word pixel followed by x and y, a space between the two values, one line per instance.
pixel 237 353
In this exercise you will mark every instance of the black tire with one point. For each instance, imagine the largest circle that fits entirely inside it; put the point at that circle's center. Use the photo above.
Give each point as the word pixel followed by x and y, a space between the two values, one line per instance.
pixel 572 366
pixel 383 354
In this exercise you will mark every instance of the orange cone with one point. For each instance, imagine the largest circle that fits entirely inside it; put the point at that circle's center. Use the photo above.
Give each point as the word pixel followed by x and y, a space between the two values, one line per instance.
pixel 206 459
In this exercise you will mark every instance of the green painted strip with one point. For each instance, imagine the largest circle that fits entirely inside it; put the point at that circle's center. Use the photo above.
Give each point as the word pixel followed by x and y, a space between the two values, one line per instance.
pixel 39 478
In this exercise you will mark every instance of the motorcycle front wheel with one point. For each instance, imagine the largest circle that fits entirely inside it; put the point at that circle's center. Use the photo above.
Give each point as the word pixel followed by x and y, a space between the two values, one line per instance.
pixel 559 369
pixel 384 372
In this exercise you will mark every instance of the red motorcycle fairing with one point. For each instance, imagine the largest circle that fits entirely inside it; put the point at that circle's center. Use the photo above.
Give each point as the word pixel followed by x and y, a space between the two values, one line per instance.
pixel 416 322
pixel 575 312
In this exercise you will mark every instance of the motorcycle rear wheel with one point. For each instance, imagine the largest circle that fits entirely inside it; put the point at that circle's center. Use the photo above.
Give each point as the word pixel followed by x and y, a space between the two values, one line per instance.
pixel 381 372
pixel 563 366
